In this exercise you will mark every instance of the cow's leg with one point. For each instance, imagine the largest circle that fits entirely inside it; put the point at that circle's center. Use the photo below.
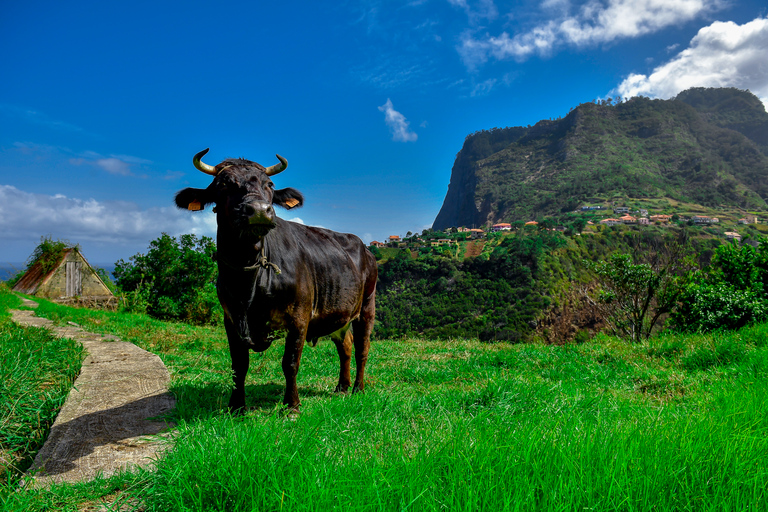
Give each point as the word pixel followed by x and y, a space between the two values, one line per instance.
pixel 294 344
pixel 238 351
pixel 361 329
pixel 343 341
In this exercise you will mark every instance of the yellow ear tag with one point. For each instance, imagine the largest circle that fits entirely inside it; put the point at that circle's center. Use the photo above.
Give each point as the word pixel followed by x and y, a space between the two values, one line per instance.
pixel 292 202
pixel 195 206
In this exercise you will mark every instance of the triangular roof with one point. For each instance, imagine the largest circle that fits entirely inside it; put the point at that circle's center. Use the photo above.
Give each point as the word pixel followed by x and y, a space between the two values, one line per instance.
pixel 35 276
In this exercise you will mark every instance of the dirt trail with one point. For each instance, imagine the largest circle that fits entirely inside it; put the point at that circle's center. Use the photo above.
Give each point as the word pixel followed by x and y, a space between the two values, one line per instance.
pixel 108 421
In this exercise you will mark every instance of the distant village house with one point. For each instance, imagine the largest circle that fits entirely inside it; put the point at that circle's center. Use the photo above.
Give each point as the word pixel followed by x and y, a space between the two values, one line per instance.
pixel 701 219
pixel 628 219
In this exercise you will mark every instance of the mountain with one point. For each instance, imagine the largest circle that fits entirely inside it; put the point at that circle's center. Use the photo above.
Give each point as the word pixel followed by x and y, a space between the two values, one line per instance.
pixel 706 146
pixel 731 108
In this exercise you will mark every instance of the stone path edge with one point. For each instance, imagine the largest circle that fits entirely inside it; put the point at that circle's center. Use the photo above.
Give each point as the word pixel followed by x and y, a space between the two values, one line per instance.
pixel 110 419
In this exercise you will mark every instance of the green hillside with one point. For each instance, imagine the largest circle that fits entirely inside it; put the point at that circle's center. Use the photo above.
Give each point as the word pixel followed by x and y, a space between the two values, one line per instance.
pixel 706 147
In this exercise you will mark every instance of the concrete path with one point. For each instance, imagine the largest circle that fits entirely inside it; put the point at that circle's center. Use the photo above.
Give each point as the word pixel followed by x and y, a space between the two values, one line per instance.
pixel 107 422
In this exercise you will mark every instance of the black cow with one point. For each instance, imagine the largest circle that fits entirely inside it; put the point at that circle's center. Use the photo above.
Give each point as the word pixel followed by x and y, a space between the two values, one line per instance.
pixel 279 275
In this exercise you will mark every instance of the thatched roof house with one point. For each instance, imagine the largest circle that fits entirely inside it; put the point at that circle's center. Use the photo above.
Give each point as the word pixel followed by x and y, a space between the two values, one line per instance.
pixel 71 277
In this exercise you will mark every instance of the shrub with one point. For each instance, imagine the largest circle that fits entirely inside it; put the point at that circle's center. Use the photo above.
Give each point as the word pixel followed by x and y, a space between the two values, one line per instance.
pixel 730 294
pixel 706 307
pixel 175 280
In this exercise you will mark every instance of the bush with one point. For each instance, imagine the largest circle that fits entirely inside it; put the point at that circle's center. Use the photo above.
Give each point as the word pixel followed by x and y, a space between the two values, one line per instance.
pixel 175 280
pixel 707 306
pixel 730 294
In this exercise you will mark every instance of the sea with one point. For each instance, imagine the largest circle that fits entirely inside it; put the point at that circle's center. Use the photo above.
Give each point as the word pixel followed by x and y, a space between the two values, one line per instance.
pixel 8 270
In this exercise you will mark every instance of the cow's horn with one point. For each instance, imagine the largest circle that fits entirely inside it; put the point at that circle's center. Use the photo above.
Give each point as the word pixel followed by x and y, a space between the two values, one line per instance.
pixel 199 165
pixel 277 168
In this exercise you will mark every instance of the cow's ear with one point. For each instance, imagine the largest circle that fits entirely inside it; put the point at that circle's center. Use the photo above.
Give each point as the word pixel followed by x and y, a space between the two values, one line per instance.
pixel 288 198
pixel 193 199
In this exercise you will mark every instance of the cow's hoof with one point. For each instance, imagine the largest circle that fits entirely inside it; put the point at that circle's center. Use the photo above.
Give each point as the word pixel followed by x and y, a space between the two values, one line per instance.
pixel 291 412
pixel 236 408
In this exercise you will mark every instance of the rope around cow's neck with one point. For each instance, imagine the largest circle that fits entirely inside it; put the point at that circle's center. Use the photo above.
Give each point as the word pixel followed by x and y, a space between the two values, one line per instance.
pixel 261 262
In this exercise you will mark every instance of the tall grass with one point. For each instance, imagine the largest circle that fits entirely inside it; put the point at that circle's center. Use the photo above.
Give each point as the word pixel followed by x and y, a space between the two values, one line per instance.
pixel 678 423
pixel 36 373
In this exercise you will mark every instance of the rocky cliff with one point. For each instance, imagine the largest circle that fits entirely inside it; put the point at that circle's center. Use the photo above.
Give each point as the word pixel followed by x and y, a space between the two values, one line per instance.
pixel 707 146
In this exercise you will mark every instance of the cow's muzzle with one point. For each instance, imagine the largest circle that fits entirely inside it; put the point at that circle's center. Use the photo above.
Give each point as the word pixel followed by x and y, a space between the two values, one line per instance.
pixel 257 213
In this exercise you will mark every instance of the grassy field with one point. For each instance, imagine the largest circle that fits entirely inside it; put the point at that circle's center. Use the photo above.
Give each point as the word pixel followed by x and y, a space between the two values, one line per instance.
pixel 678 423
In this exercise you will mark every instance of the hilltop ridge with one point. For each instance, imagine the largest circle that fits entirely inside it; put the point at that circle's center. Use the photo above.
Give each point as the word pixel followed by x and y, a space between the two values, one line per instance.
pixel 706 147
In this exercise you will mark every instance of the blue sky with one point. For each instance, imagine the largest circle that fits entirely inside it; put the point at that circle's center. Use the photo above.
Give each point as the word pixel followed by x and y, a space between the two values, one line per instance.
pixel 103 104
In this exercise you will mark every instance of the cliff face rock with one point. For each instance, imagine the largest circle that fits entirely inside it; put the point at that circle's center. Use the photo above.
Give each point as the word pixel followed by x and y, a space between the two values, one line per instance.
pixel 460 207
pixel 708 146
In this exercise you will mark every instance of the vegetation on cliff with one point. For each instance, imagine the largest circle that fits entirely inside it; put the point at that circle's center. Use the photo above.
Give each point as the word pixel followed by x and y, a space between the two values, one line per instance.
pixel 706 147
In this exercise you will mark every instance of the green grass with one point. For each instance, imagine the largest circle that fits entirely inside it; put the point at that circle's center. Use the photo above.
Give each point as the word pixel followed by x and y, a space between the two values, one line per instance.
pixel 678 423
pixel 36 373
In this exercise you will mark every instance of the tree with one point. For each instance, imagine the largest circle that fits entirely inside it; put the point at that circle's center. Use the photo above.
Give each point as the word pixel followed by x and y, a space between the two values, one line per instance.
pixel 633 296
pixel 579 224
pixel 176 279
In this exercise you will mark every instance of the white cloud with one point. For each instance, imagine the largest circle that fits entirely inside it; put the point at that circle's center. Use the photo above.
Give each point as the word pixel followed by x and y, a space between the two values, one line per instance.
pixel 119 165
pixel 28 216
pixel 397 123
pixel 483 88
pixel 483 9
pixel 299 220
pixel 596 22
pixel 114 166
pixel 723 54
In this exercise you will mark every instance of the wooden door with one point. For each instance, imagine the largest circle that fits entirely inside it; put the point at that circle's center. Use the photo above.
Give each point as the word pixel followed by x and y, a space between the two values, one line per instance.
pixel 74 279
